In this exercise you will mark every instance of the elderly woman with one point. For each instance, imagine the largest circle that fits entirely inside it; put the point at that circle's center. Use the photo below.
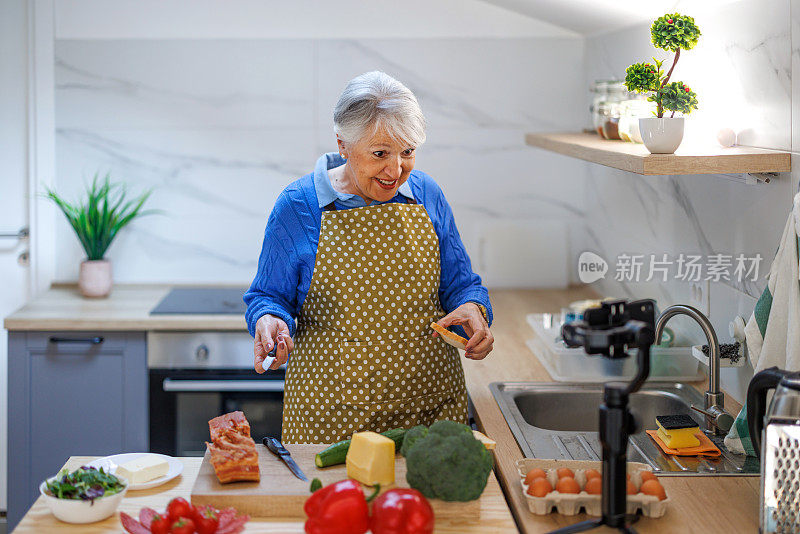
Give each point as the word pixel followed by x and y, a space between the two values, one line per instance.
pixel 364 253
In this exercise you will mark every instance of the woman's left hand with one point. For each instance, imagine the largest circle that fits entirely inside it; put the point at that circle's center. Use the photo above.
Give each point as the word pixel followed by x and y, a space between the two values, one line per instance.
pixel 470 317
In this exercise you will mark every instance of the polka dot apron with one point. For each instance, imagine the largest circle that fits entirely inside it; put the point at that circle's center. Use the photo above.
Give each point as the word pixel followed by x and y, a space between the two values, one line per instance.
pixel 364 355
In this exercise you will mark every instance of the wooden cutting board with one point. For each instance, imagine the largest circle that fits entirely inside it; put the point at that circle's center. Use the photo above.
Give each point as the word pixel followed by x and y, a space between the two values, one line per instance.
pixel 281 494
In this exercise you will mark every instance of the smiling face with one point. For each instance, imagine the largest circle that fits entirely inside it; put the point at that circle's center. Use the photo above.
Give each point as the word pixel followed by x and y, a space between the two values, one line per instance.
pixel 376 166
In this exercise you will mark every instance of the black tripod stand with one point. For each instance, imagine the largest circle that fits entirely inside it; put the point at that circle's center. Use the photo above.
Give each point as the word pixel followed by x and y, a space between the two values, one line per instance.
pixel 610 331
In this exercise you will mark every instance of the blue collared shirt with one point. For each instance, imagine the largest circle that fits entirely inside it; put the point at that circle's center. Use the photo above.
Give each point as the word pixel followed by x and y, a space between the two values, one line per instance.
pixel 289 250
pixel 327 194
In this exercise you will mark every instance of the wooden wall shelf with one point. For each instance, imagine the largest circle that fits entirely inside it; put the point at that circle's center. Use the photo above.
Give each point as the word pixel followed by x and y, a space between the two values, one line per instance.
pixel 635 157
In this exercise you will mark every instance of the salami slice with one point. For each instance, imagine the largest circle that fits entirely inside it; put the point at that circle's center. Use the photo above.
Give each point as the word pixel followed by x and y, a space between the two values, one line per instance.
pixel 146 516
pixel 131 525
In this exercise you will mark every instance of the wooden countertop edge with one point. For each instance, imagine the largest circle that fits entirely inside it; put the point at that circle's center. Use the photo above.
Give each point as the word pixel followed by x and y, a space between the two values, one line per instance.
pixel 158 323
pixel 127 309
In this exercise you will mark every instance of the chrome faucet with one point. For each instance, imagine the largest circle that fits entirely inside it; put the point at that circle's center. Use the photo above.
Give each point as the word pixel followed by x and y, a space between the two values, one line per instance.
pixel 717 419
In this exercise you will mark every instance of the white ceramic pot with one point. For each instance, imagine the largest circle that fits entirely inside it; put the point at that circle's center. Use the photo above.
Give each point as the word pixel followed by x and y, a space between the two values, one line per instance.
pixel 94 278
pixel 661 136
pixel 77 511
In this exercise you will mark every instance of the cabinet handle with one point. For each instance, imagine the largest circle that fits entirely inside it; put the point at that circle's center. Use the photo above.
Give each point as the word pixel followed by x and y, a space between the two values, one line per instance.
pixel 90 340
pixel 21 234
pixel 222 386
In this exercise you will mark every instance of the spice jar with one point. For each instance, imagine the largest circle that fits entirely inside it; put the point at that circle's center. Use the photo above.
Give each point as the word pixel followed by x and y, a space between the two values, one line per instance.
pixel 612 110
pixel 599 90
pixel 611 120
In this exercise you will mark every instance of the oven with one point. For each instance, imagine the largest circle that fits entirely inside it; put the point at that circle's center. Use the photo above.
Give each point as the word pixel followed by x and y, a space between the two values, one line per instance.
pixel 196 376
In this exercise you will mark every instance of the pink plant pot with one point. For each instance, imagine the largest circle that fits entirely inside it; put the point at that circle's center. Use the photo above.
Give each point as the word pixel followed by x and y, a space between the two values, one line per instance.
pixel 95 279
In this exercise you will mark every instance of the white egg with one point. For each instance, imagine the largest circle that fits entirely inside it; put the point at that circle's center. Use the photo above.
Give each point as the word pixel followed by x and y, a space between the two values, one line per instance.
pixel 726 137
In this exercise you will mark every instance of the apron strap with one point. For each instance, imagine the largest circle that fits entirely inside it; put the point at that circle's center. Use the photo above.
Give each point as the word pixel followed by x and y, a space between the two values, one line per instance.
pixel 332 207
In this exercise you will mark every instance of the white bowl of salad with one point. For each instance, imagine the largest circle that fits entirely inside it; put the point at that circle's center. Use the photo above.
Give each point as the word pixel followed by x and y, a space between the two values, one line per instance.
pixel 86 495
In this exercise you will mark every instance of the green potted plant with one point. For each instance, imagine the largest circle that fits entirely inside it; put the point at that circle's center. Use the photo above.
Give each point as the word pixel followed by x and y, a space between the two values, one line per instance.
pixel 662 135
pixel 97 221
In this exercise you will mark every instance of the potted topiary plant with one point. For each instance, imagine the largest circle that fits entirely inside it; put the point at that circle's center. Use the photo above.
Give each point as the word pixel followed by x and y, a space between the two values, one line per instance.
pixel 663 135
pixel 96 223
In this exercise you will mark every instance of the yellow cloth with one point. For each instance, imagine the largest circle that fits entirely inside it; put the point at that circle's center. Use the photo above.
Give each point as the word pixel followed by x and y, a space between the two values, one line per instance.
pixel 364 355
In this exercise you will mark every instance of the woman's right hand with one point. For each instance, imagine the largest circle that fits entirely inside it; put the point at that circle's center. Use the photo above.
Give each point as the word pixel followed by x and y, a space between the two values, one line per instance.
pixel 271 331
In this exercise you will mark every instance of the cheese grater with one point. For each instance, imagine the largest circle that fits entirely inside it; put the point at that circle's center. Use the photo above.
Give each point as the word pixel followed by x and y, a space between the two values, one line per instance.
pixel 776 435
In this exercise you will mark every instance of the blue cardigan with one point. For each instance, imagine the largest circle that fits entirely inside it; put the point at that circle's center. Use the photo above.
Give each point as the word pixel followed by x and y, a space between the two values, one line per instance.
pixel 290 244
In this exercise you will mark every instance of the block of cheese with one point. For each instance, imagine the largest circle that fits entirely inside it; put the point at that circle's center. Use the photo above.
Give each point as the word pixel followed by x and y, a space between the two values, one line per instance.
pixel 370 459
pixel 677 431
pixel 143 469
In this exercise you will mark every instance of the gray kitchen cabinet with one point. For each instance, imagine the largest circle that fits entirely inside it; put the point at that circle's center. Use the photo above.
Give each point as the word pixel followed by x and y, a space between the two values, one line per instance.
pixel 71 393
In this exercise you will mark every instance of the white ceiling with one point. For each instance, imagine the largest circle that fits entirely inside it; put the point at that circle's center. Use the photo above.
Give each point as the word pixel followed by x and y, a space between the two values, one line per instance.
pixel 254 19
pixel 592 17
pixel 296 19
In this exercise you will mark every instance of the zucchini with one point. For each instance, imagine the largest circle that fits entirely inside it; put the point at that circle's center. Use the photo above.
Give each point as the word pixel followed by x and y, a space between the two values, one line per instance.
pixel 337 453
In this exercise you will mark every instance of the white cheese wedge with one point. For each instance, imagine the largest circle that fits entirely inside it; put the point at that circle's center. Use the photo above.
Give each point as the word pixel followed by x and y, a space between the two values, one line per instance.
pixel 143 469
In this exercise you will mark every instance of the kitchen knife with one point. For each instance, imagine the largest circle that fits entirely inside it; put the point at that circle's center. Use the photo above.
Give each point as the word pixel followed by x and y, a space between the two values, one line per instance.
pixel 269 358
pixel 280 451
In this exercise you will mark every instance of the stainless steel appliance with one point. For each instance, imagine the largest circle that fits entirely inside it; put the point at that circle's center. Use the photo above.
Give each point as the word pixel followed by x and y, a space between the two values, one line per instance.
pixel 196 376
pixel 775 434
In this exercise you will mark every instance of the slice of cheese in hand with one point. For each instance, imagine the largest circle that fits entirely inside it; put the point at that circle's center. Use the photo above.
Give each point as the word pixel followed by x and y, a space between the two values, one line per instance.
pixel 370 459
pixel 449 337
pixel 143 469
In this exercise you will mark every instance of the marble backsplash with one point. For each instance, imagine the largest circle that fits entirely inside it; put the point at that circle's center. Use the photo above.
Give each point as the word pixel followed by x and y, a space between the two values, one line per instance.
pixel 218 127
pixel 742 72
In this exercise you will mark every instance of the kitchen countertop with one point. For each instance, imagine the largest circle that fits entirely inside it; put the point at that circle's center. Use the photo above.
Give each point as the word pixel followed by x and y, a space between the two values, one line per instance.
pixel 701 504
pixel 62 308
pixel 494 513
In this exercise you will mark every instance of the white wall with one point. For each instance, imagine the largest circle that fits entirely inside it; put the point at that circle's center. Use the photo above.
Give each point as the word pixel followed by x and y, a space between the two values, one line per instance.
pixel 219 126
pixel 742 73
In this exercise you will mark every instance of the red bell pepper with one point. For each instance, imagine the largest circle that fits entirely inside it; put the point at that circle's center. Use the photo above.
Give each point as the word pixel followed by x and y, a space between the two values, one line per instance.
pixel 338 508
pixel 402 511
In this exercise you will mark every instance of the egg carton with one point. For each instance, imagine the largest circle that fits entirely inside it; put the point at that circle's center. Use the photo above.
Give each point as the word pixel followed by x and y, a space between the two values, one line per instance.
pixel 571 503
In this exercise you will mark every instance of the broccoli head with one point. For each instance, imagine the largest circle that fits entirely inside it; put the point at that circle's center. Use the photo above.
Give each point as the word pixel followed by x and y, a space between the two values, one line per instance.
pixel 449 428
pixel 411 437
pixel 448 463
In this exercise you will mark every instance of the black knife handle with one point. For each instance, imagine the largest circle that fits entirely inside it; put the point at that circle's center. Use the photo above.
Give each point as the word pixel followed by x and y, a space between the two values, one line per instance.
pixel 275 446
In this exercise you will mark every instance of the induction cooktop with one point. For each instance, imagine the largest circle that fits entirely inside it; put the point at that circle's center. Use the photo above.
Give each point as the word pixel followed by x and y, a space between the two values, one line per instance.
pixel 202 300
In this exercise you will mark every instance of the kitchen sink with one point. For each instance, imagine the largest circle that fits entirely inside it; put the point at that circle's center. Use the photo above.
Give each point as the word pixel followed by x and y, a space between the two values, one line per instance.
pixel 560 421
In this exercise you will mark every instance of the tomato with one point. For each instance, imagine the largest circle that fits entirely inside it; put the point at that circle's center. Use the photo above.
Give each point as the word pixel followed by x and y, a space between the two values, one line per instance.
pixel 178 507
pixel 182 526
pixel 206 520
pixel 160 524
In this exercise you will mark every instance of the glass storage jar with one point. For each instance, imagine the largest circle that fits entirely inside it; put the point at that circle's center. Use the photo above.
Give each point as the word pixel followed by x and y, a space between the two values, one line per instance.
pixel 630 112
pixel 608 109
pixel 599 92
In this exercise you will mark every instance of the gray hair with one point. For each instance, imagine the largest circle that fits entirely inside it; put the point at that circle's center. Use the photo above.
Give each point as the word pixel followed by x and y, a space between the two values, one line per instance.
pixel 376 100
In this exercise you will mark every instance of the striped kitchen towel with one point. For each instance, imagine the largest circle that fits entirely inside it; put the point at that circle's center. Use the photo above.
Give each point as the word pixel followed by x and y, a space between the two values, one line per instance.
pixel 773 331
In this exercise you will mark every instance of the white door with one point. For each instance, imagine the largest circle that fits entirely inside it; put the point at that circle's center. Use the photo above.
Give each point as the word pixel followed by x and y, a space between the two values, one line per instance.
pixel 14 276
